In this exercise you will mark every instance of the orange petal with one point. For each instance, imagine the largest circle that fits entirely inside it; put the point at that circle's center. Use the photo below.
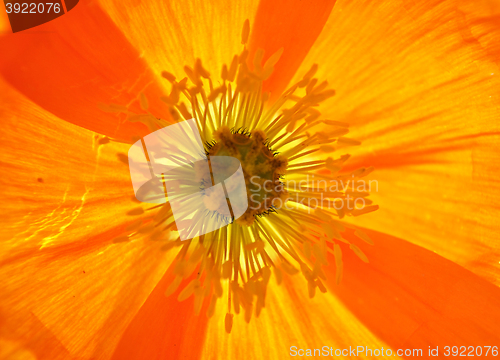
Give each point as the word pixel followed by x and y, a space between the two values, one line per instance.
pixel 446 202
pixel 36 342
pixel 58 185
pixel 419 85
pixel 63 200
pixel 164 328
pixel 4 20
pixel 289 319
pixel 291 25
pixel 80 302
pixel 171 34
pixel 412 298
pixel 72 64
pixel 408 78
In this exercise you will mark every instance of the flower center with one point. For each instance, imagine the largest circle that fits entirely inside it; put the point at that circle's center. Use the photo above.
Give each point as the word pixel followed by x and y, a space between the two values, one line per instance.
pixel 262 169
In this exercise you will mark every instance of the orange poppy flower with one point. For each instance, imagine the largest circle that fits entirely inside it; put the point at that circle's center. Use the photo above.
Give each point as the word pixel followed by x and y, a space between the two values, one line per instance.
pixel 89 273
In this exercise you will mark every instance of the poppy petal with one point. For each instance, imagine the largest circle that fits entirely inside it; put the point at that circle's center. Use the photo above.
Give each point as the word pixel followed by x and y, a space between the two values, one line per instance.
pixel 293 25
pixel 4 20
pixel 72 65
pixel 164 327
pixel 412 298
pixel 64 199
pixel 36 341
pixel 449 205
pixel 80 302
pixel 58 183
pixel 408 75
pixel 419 85
pixel 290 319
pixel 170 35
